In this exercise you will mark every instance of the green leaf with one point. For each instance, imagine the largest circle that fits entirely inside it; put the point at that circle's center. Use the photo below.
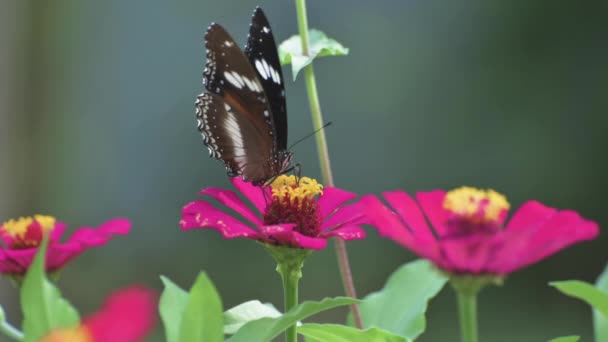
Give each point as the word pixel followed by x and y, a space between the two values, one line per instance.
pixel 171 307
pixel 290 51
pixel 400 306
pixel 2 315
pixel 202 318
pixel 239 315
pixel 342 333
pixel 585 292
pixel 566 339
pixel 265 329
pixel 43 307
pixel 600 323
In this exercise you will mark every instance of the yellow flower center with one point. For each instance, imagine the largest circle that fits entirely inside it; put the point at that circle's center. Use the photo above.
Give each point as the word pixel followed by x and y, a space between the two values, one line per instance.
pixel 293 201
pixel 476 205
pixel 78 334
pixel 27 231
pixel 293 188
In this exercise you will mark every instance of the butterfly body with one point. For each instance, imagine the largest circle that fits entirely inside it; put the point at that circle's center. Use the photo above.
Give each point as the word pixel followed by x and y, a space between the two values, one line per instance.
pixel 242 115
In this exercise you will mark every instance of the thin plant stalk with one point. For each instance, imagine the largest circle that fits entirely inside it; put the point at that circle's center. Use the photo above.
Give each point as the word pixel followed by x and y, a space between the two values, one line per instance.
pixel 289 265
pixel 324 160
pixel 10 331
pixel 467 311
pixel 290 296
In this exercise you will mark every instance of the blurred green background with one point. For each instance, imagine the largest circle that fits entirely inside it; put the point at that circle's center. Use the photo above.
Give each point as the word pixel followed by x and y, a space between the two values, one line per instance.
pixel 97 121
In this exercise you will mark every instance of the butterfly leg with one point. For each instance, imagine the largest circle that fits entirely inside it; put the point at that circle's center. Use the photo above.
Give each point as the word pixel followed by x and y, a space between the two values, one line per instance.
pixel 267 197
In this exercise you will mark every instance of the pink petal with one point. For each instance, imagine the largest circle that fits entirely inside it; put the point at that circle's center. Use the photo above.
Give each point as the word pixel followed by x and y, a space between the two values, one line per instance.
pixel 128 315
pixel 60 254
pixel 102 234
pixel 232 201
pixel 255 194
pixel 511 248
pixel 530 214
pixel 57 231
pixel 115 226
pixel 562 230
pixel 283 234
pixel 277 229
pixel 346 233
pixel 308 242
pixel 19 260
pixel 332 198
pixel 350 214
pixel 467 255
pixel 432 205
pixel 389 224
pixel 88 236
pixel 6 239
pixel 410 212
pixel 7 266
pixel 200 214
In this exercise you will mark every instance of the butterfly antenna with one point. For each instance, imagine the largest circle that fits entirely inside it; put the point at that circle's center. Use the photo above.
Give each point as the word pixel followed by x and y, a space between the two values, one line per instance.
pixel 310 135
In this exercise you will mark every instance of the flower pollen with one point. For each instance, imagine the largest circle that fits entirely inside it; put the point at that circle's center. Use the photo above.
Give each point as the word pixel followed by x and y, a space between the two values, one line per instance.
pixel 292 187
pixel 27 232
pixel 475 211
pixel 293 200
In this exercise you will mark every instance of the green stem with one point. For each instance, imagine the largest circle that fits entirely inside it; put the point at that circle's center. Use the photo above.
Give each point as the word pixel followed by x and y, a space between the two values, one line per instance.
pixel 291 279
pixel 324 161
pixel 467 310
pixel 317 121
pixel 313 96
pixel 7 329
pixel 289 265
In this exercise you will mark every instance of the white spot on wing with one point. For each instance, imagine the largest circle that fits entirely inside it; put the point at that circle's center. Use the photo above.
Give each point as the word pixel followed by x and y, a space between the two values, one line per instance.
pixel 251 84
pixel 267 68
pixel 269 72
pixel 248 83
pixel 239 78
pixel 261 70
pixel 266 29
pixel 234 79
pixel 275 76
pixel 228 43
pixel 234 133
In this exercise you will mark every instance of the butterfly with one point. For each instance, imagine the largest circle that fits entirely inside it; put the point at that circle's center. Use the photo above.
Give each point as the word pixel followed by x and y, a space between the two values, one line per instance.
pixel 242 115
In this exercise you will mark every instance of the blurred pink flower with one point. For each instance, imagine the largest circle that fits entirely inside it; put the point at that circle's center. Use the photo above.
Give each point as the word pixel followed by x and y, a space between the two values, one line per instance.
pixel 128 315
pixel 22 237
pixel 291 213
pixel 469 235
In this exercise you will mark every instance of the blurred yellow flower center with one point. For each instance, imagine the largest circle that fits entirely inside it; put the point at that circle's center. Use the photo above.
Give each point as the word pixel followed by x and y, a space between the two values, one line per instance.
pixel 78 334
pixel 292 187
pixel 27 231
pixel 476 205
pixel 18 228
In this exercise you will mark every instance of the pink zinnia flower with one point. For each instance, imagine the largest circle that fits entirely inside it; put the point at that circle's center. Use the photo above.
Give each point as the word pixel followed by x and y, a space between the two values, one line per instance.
pixel 469 235
pixel 128 315
pixel 291 213
pixel 22 237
